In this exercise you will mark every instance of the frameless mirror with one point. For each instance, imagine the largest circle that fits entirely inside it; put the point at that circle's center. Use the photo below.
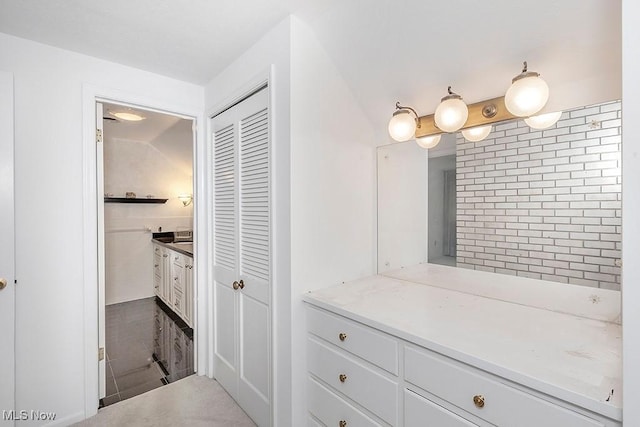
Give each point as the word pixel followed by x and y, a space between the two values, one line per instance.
pixel 544 204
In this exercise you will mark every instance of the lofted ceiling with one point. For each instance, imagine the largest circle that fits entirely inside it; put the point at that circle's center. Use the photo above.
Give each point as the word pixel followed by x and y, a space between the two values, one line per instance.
pixel 188 40
pixel 170 135
pixel 406 50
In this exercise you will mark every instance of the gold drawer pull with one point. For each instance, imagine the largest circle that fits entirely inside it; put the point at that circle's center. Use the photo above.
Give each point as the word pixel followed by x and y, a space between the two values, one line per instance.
pixel 236 285
pixel 342 423
pixel 342 378
pixel 342 336
pixel 478 400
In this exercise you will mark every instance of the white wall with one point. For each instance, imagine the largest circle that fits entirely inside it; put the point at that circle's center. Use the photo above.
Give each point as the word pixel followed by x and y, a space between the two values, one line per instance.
pixel 630 212
pixel 332 188
pixel 50 368
pixel 140 167
pixel 270 54
pixel 324 138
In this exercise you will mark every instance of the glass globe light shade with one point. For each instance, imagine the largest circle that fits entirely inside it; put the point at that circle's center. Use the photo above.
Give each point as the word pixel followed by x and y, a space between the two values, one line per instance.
pixel 526 95
pixel 451 114
pixel 543 121
pixel 476 133
pixel 428 141
pixel 402 125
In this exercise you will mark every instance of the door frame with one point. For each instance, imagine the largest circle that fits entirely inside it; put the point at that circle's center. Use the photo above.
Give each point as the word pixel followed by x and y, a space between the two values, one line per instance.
pixel 7 110
pixel 90 96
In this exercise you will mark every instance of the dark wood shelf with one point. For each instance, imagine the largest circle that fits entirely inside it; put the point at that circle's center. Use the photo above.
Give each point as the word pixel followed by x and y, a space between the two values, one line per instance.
pixel 131 200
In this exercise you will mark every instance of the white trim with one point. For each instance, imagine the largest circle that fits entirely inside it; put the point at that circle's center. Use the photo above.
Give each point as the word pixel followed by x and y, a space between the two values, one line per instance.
pixel 90 95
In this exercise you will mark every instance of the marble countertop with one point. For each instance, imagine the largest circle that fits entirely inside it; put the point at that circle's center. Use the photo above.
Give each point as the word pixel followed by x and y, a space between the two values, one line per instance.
pixel 573 354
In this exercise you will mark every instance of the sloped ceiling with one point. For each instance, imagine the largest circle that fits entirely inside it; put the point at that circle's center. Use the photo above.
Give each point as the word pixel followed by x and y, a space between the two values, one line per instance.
pixel 170 135
pixel 406 50
pixel 189 40
pixel 410 51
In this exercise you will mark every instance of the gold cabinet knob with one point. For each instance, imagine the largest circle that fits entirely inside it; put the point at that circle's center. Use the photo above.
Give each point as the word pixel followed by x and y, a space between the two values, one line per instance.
pixel 241 284
pixel 236 285
pixel 478 400
pixel 342 378
pixel 342 336
pixel 3 283
pixel 342 423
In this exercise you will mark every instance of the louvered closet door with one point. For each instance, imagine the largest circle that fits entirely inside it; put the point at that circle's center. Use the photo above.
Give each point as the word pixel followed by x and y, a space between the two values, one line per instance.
pixel 242 252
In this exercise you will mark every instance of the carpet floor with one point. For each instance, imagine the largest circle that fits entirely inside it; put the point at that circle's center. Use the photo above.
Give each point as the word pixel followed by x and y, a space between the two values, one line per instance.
pixel 192 401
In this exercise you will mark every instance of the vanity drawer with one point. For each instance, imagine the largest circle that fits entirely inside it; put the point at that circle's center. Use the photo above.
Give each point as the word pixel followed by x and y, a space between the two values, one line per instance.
pixel 418 409
pixel 498 403
pixel 358 382
pixel 333 411
pixel 367 343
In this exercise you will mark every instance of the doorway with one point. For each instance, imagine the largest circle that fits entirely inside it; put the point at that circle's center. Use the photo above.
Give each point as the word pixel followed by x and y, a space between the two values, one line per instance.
pixel 146 252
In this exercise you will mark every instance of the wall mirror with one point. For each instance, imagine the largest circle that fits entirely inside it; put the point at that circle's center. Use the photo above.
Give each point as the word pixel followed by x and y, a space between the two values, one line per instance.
pixel 544 204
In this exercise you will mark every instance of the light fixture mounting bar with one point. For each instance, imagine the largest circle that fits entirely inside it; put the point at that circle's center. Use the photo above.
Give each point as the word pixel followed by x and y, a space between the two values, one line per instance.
pixel 427 125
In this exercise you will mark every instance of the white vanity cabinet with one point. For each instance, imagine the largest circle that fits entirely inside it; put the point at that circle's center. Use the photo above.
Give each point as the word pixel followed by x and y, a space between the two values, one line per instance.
pixel 372 360
pixel 161 273
pixel 173 280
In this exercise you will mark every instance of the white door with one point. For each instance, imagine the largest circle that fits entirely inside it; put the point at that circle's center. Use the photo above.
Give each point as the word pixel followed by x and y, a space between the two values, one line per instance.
pixel 102 372
pixel 7 252
pixel 242 261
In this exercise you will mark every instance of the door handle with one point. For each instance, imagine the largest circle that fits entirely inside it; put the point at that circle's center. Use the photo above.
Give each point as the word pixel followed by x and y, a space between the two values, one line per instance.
pixel 241 284
pixel 3 283
pixel 236 285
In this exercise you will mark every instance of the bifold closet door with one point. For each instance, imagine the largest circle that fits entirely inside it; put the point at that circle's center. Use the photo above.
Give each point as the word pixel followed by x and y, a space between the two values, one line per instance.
pixel 242 255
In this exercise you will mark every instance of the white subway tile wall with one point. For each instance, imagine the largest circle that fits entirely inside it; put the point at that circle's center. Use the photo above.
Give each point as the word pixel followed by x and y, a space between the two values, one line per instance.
pixel 544 204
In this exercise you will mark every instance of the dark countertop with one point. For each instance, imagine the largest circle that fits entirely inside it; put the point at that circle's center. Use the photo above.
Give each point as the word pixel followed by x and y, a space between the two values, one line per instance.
pixel 185 248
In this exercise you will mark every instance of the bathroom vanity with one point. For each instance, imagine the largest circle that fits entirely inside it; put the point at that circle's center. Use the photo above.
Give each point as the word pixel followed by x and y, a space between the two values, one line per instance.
pixel 173 277
pixel 432 345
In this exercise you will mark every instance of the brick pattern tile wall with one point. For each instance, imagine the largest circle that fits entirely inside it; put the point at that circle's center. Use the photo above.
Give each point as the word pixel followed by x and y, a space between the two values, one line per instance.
pixel 544 204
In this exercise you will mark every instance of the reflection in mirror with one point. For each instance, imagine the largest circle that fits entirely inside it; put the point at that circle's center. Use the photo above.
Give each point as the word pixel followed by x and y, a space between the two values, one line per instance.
pixel 543 204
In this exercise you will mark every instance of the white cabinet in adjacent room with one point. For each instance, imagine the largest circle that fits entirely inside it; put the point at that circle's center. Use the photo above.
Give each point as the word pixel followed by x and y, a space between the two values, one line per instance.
pixel 242 254
pixel 173 280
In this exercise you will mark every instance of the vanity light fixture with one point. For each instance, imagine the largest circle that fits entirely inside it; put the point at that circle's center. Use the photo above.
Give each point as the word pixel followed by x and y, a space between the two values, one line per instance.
pixel 428 141
pixel 186 199
pixel 452 113
pixel 543 121
pixel 403 123
pixel 128 115
pixel 476 133
pixel 527 94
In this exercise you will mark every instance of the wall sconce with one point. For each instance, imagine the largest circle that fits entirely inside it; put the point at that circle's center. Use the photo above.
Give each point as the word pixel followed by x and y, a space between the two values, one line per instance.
pixel 527 94
pixel 186 199
pixel 452 112
pixel 403 123
pixel 543 121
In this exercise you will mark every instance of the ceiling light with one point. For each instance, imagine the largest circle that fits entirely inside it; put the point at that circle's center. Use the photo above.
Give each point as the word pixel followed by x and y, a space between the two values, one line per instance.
pixel 128 115
pixel 403 124
pixel 428 141
pixel 452 112
pixel 477 133
pixel 543 121
pixel 527 94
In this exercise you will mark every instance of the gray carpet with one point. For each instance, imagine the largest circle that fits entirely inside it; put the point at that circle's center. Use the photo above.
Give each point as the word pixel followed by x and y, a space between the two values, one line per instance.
pixel 193 401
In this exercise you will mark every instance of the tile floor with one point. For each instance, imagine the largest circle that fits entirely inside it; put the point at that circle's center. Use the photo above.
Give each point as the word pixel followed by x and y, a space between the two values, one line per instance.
pixel 147 346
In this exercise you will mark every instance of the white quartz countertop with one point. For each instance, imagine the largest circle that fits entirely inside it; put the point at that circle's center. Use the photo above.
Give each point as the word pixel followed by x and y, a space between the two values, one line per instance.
pixel 576 358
